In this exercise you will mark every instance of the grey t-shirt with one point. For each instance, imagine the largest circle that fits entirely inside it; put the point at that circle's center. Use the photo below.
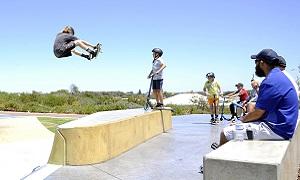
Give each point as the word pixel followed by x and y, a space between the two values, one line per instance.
pixel 155 67
pixel 62 39
pixel 253 95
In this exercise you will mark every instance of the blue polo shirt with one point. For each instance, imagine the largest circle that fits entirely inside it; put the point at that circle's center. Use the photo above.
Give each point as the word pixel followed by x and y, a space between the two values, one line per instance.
pixel 277 96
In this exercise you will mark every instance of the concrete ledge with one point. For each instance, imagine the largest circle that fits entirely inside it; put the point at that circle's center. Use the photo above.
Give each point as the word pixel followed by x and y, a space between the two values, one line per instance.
pixel 254 160
pixel 101 136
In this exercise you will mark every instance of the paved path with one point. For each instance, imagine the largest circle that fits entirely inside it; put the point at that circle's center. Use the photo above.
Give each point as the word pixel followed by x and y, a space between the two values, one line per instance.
pixel 173 155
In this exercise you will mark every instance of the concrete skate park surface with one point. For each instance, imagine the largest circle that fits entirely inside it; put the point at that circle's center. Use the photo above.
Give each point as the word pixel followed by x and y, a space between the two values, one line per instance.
pixel 176 154
pixel 24 145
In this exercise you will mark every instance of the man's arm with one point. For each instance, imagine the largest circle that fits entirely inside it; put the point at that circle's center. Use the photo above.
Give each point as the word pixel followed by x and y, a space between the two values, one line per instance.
pixel 253 116
pixel 233 94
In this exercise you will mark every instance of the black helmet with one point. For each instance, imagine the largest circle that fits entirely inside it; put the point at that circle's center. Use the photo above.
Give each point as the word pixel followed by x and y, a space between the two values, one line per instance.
pixel 210 74
pixel 158 50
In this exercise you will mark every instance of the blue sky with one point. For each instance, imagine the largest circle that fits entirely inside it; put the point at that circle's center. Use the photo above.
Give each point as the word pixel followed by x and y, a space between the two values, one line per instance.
pixel 197 37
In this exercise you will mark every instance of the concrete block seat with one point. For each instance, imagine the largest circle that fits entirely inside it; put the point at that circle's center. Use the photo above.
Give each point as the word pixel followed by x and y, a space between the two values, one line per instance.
pixel 254 160
pixel 104 135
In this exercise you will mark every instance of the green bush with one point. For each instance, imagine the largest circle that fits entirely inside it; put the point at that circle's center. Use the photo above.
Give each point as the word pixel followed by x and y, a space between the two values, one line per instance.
pixel 87 102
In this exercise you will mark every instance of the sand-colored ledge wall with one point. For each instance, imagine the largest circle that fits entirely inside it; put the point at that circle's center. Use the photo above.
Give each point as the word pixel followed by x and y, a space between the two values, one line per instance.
pixel 98 143
pixel 254 160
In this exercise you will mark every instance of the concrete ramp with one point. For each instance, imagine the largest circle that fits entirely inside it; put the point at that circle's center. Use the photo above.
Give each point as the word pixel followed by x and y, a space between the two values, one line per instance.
pixel 25 144
pixel 104 135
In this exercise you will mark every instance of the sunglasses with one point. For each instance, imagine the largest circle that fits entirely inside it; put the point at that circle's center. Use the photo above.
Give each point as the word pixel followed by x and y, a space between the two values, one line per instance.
pixel 257 60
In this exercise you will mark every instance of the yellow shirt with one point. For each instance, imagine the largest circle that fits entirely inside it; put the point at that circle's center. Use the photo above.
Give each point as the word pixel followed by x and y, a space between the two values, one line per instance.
pixel 213 88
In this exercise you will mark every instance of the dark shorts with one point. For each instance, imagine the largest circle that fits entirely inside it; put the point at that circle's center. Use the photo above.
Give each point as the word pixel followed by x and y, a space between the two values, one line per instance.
pixel 157 84
pixel 66 49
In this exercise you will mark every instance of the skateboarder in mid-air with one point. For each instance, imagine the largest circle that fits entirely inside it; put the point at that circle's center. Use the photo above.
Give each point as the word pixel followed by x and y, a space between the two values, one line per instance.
pixel 65 43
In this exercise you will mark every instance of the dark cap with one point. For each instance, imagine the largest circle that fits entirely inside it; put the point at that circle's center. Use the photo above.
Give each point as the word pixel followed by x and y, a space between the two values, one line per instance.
pixel 267 55
pixel 239 85
pixel 281 61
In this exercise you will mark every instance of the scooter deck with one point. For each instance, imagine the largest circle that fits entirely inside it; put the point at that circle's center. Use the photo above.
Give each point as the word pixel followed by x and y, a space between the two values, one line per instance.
pixel 162 108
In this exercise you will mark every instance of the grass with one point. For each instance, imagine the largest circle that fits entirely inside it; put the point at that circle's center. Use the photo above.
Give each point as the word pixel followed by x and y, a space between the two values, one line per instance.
pixel 51 123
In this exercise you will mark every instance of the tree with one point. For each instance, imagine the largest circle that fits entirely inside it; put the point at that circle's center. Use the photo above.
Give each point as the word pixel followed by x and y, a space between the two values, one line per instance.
pixel 74 89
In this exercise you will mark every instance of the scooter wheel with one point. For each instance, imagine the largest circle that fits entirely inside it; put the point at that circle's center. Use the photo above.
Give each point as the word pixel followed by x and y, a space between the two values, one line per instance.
pixel 146 106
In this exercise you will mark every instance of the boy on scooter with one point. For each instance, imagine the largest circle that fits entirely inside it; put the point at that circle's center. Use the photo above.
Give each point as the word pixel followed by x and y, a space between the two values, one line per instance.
pixel 158 66
pixel 212 89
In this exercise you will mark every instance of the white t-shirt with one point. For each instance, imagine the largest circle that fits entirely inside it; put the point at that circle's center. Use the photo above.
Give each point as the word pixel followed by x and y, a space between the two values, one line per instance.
pixel 295 86
pixel 155 67
pixel 293 82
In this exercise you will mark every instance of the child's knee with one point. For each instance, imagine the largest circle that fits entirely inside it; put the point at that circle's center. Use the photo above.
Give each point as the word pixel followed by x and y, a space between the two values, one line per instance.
pixel 77 42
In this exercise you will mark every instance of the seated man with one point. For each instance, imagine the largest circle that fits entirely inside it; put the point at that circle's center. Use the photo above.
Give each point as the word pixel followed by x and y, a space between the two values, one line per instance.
pixel 250 102
pixel 282 67
pixel 242 94
pixel 276 111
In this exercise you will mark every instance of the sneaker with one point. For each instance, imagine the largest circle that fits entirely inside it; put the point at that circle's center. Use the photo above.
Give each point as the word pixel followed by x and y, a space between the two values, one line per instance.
pixel 217 120
pixel 93 54
pixel 232 119
pixel 213 122
pixel 201 169
pixel 214 145
pixel 90 56
pixel 232 122
pixel 159 105
pixel 87 56
pixel 95 47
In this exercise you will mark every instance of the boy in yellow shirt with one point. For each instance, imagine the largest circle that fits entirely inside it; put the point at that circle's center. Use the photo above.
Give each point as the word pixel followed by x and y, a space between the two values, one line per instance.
pixel 212 90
